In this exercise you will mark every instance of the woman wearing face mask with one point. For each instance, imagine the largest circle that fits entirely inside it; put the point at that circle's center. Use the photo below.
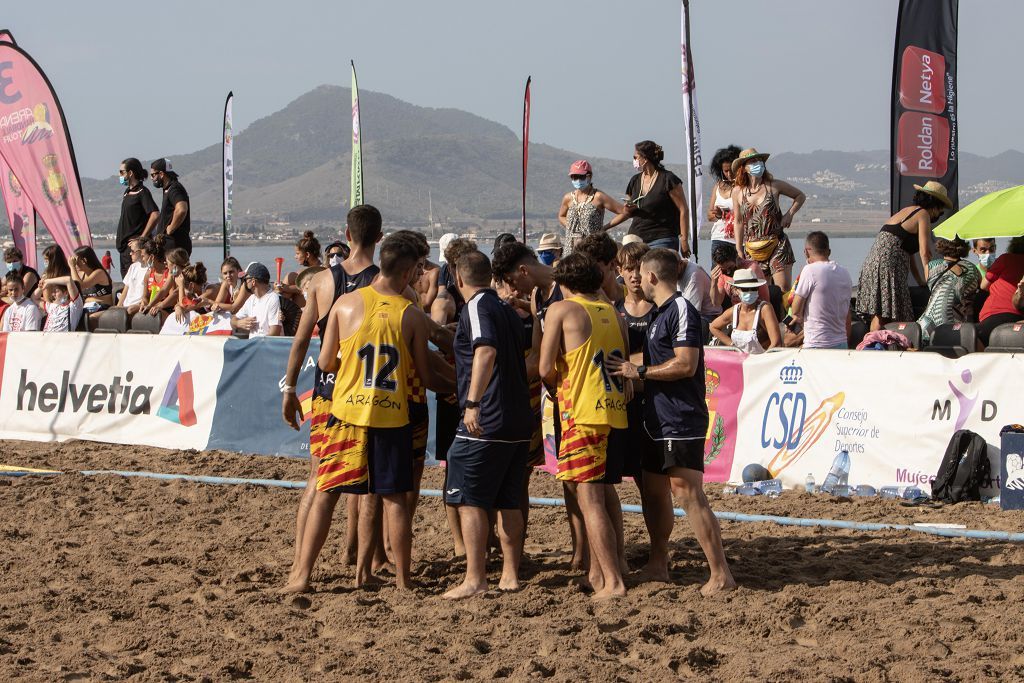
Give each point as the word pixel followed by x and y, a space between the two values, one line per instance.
pixel 883 291
pixel 720 206
pixel 755 327
pixel 582 210
pixel 656 201
pixel 953 282
pixel 139 212
pixel 758 219
pixel 16 264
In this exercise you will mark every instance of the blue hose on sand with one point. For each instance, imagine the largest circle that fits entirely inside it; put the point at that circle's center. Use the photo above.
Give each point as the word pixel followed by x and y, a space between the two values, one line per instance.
pixel 558 502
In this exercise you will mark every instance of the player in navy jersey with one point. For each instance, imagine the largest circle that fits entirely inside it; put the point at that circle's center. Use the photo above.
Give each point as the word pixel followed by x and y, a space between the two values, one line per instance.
pixel 675 421
pixel 487 461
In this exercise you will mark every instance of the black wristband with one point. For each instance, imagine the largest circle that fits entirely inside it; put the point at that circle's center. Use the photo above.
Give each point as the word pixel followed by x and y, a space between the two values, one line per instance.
pixel 472 404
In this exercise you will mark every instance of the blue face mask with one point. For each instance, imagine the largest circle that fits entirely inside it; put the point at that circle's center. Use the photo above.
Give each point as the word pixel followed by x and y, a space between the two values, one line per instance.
pixel 547 257
pixel 13 266
pixel 749 297
pixel 581 184
pixel 123 180
pixel 987 259
pixel 756 169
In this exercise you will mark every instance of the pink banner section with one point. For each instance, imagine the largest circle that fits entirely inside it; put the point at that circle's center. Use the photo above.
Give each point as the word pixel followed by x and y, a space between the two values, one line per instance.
pixel 35 144
pixel 723 381
pixel 20 214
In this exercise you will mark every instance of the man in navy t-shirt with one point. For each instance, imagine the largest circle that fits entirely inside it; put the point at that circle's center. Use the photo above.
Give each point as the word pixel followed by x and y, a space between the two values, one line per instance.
pixel 487 462
pixel 675 420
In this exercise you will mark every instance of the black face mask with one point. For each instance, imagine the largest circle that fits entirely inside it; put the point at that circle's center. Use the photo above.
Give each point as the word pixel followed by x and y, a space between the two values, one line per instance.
pixel 158 183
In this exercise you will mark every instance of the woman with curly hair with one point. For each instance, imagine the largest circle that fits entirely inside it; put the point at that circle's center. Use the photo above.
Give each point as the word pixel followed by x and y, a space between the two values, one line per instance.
pixel 953 282
pixel 720 206
pixel 656 201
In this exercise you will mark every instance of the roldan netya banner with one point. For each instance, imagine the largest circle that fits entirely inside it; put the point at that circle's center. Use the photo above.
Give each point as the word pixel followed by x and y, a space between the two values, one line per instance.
pixel 893 412
pixel 130 389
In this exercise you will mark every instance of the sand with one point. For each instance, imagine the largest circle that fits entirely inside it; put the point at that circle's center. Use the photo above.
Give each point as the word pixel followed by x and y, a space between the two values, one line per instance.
pixel 107 578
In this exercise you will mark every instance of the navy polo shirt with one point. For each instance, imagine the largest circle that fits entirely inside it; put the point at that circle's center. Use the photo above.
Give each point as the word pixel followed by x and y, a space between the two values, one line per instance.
pixel 676 409
pixel 505 413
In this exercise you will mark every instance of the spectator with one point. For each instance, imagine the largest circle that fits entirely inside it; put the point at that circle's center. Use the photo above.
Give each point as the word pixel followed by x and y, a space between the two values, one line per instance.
pixel 883 291
pixel 755 327
pixel 336 252
pixel 139 213
pixel 953 282
pixel 720 209
pixel 107 262
pixel 133 295
pixel 549 249
pixel 307 254
pixel 261 313
pixel 16 264
pixel 1002 282
pixel 167 297
pixel 22 315
pixel 190 294
pixel 582 210
pixel 821 302
pixel 656 201
pixel 232 292
pixel 760 225
pixel 94 283
pixel 62 300
pixel 726 261
pixel 695 286
pixel 175 218
pixel 158 275
pixel 987 251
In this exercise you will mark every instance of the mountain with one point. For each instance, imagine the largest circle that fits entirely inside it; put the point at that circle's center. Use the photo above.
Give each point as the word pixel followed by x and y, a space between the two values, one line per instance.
pixel 293 167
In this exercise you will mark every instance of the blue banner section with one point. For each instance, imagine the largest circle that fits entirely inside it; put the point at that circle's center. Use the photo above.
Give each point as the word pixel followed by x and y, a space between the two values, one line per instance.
pixel 248 415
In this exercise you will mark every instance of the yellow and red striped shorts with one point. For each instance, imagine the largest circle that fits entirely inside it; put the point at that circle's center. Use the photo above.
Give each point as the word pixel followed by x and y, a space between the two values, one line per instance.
pixel 343 456
pixel 583 453
pixel 318 414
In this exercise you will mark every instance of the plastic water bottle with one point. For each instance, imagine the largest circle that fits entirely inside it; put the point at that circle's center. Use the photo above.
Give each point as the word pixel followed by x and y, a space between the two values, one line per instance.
pixel 904 492
pixel 809 483
pixel 889 492
pixel 748 490
pixel 843 490
pixel 770 487
pixel 913 493
pixel 839 473
pixel 865 491
pixel 728 490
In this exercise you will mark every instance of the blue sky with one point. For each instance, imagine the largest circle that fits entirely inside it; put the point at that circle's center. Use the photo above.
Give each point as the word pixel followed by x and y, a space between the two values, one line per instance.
pixel 149 79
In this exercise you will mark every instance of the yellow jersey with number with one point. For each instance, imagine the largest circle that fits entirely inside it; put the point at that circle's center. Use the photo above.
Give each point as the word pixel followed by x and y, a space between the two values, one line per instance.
pixel 587 392
pixel 371 387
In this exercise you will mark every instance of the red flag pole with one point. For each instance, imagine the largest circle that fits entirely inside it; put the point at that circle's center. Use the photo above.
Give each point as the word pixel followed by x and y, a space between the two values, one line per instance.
pixel 526 146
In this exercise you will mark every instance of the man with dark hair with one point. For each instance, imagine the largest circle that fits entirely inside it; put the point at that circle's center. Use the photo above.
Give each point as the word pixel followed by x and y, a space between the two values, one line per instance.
pixel 367 445
pixel 604 251
pixel 16 264
pixel 676 420
pixel 358 270
pixel 175 219
pixel 139 213
pixel 821 300
pixel 487 461
pixel 580 334
pixel 260 315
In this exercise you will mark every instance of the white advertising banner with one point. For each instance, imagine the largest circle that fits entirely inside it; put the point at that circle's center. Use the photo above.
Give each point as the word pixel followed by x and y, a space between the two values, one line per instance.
pixel 131 389
pixel 894 413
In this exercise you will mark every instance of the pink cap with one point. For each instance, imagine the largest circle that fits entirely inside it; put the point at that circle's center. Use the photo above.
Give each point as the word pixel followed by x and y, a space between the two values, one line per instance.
pixel 581 167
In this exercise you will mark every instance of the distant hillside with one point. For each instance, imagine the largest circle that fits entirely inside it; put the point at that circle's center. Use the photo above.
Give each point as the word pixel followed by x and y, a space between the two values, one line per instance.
pixel 293 166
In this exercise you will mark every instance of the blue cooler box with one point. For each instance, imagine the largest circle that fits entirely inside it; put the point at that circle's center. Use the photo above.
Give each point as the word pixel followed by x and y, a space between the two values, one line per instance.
pixel 1011 472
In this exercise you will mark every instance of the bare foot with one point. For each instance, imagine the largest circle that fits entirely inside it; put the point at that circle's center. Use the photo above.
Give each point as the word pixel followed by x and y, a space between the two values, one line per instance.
pixel 718 586
pixel 465 590
pixel 385 568
pixel 654 572
pixel 596 581
pixel 577 563
pixel 295 586
pixel 368 580
pixel 610 593
pixel 509 583
pixel 350 558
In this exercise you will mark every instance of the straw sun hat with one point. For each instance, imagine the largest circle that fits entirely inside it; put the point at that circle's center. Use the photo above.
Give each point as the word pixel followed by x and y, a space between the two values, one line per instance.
pixel 937 190
pixel 746 155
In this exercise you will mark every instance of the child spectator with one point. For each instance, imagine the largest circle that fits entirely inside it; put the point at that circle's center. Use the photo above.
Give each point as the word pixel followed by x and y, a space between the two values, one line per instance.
pixel 133 296
pixel 22 315
pixel 232 293
pixel 153 255
pixel 190 292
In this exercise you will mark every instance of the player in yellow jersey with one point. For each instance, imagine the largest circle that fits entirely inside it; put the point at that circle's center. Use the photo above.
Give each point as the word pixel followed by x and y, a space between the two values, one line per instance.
pixel 378 337
pixel 580 334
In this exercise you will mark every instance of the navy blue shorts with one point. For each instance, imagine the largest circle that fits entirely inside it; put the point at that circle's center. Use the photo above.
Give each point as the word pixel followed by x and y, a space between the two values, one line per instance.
pixel 659 456
pixel 486 474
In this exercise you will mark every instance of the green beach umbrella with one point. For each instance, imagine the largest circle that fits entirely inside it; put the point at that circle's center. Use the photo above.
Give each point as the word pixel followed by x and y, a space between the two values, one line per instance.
pixel 1000 214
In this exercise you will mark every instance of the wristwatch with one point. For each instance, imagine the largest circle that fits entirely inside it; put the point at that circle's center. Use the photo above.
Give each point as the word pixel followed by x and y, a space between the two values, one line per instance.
pixel 641 371
pixel 472 404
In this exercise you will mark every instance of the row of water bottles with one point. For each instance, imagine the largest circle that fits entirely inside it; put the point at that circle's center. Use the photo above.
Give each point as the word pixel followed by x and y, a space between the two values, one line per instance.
pixel 836 484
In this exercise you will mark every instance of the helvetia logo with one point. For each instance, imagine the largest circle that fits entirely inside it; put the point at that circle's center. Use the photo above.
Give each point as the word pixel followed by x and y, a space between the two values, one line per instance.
pixel 117 398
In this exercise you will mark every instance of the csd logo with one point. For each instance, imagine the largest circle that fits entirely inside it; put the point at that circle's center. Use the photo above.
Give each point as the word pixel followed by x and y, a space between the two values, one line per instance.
pixel 782 424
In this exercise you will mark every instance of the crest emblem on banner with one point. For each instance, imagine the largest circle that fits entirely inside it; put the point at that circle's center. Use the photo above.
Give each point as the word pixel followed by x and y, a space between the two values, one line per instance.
pixel 40 128
pixel 715 438
pixel 14 183
pixel 55 186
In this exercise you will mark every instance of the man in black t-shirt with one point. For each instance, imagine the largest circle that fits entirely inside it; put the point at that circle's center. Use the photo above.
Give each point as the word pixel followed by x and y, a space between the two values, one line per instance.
pixel 487 461
pixel 175 219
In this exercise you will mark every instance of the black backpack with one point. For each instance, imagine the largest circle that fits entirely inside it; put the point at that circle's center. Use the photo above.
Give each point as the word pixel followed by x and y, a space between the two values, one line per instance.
pixel 964 470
